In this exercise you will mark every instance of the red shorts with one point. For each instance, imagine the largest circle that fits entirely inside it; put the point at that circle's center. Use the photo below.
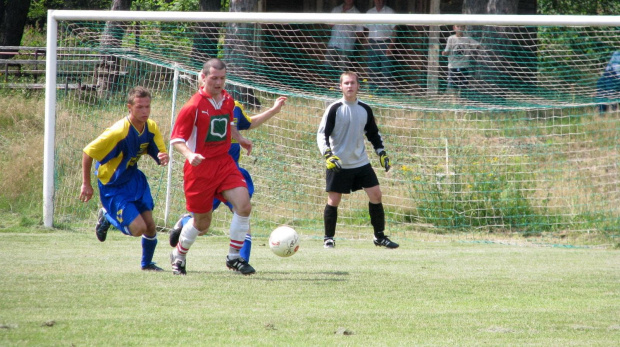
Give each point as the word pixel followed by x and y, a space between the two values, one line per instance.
pixel 208 180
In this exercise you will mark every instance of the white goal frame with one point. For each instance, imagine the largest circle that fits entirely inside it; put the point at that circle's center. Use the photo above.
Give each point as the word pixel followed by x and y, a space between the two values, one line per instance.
pixel 54 16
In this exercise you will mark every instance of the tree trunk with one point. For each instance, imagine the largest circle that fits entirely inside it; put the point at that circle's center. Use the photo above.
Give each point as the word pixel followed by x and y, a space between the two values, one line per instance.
pixel 13 15
pixel 206 35
pixel 108 73
pixel 239 52
pixel 114 31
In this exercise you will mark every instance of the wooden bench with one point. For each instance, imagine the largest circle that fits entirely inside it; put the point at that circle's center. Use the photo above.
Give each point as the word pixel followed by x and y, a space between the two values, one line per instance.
pixel 30 61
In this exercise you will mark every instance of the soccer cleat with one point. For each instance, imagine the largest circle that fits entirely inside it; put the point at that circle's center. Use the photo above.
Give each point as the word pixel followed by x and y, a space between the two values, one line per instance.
pixel 385 242
pixel 152 267
pixel 329 243
pixel 101 229
pixel 239 264
pixel 178 265
pixel 175 233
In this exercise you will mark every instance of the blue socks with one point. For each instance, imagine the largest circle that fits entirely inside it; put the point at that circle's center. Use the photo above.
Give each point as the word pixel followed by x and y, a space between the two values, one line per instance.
pixel 148 248
pixel 246 248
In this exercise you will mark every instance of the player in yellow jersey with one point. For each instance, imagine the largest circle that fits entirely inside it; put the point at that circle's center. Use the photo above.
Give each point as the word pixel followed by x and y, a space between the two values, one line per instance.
pixel 123 189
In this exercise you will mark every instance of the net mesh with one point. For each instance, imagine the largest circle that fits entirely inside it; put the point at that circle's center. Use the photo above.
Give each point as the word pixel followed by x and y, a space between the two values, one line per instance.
pixel 528 143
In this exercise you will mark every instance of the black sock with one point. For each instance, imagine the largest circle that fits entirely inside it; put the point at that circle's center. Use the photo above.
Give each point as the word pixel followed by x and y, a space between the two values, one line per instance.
pixel 330 217
pixel 377 219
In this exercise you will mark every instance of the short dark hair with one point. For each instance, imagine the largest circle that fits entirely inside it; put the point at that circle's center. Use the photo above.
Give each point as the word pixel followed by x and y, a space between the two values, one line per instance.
pixel 137 92
pixel 349 73
pixel 213 63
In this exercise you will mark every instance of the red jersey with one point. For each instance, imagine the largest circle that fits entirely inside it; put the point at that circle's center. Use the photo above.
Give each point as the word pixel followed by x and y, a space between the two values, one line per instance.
pixel 204 124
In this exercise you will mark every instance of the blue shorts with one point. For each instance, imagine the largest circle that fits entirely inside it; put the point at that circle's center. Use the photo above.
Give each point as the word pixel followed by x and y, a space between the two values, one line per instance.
pixel 248 181
pixel 126 202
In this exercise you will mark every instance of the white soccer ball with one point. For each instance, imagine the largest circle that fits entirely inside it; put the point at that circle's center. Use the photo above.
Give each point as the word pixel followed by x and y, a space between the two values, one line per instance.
pixel 284 241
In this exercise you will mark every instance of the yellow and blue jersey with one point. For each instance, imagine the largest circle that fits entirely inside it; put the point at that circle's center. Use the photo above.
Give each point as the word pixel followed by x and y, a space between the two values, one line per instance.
pixel 243 122
pixel 118 149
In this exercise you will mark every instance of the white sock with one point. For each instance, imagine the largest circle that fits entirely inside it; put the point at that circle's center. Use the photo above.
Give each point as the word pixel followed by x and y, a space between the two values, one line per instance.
pixel 239 227
pixel 186 239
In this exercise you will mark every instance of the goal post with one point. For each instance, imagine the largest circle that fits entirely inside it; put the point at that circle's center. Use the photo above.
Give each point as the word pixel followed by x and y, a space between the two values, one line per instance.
pixel 521 146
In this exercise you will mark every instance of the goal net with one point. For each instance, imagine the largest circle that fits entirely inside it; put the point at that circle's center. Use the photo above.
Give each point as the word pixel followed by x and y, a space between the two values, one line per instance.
pixel 522 139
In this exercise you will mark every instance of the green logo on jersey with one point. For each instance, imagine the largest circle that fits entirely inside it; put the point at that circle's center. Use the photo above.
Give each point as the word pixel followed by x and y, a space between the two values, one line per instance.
pixel 218 128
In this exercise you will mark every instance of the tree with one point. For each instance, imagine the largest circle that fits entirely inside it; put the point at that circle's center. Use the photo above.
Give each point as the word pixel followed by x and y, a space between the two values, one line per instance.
pixel 206 34
pixel 114 32
pixel 238 49
pixel 109 71
pixel 13 16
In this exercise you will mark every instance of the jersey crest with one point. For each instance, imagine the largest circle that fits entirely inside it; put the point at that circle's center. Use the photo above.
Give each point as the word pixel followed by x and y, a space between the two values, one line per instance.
pixel 218 128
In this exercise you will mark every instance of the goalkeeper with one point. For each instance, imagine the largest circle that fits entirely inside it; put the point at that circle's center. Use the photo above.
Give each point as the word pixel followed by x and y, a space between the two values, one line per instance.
pixel 243 122
pixel 341 141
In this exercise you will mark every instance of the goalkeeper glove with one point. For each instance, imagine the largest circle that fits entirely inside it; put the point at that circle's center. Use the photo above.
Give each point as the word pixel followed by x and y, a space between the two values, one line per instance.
pixel 332 161
pixel 385 160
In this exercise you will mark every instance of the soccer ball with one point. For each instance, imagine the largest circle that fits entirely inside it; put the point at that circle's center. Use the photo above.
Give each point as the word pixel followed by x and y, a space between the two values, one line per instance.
pixel 284 241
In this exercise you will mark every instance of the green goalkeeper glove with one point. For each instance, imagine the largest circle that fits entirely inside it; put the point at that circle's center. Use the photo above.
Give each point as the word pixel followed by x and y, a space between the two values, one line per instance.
pixel 332 161
pixel 385 160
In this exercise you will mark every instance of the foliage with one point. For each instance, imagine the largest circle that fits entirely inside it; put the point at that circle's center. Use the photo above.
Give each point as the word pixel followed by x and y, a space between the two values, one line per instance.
pixel 37 16
pixel 579 7
pixel 165 5
pixel 478 194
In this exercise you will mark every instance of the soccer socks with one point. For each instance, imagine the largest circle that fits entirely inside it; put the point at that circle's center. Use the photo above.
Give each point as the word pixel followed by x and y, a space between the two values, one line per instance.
pixel 239 227
pixel 148 248
pixel 330 217
pixel 186 240
pixel 377 219
pixel 247 248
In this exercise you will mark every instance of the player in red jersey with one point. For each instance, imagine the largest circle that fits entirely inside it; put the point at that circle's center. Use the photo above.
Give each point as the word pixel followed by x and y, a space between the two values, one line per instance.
pixel 202 133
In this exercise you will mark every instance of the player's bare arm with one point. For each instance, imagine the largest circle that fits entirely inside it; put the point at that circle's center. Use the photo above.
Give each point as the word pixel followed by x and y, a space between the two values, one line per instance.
pixel 193 158
pixel 245 143
pixel 265 116
pixel 86 192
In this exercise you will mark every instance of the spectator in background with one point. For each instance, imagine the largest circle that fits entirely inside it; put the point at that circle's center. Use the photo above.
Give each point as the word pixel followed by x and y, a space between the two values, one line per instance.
pixel 381 39
pixel 608 85
pixel 460 50
pixel 341 45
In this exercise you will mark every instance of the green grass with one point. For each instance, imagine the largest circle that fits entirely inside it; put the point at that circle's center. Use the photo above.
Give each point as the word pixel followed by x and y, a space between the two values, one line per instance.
pixel 65 288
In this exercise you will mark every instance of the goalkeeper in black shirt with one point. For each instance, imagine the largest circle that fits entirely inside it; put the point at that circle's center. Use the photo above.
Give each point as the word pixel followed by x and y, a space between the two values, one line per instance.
pixel 341 141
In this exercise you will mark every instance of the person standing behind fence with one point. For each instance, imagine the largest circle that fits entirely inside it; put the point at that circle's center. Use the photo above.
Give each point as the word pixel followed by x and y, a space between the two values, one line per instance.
pixel 461 51
pixel 123 189
pixel 381 39
pixel 341 45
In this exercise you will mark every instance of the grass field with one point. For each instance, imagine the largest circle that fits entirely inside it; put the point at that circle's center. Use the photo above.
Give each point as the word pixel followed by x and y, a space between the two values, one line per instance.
pixel 64 288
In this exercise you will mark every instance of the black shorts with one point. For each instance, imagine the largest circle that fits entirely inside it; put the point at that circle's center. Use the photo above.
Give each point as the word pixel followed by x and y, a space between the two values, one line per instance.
pixel 349 180
pixel 458 77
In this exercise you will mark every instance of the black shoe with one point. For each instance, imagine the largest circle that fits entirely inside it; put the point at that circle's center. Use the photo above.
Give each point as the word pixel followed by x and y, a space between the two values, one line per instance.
pixel 385 242
pixel 239 264
pixel 329 243
pixel 101 229
pixel 178 265
pixel 175 233
pixel 152 267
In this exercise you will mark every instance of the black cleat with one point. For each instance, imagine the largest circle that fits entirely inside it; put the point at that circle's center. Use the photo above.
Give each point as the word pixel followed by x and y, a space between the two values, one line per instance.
pixel 178 265
pixel 239 264
pixel 101 229
pixel 329 243
pixel 385 242
pixel 175 233
pixel 152 267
